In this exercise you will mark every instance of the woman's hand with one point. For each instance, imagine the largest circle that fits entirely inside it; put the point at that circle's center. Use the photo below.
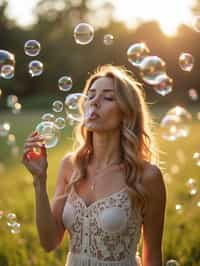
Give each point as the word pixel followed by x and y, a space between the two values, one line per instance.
pixel 35 157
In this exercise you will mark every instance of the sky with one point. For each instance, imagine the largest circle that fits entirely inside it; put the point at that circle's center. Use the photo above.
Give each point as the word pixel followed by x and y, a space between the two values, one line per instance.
pixel 170 14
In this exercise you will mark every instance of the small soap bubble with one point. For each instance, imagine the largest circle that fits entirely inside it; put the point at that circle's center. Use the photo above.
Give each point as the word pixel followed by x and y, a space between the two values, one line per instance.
pixel 35 68
pixel 150 68
pixel 193 95
pixel 179 208
pixel 4 129
pixel 65 83
pixel 196 23
pixel 15 228
pixel 11 217
pixel 172 263
pixel 48 117
pixel 164 84
pixel 198 204
pixel 16 108
pixel 32 48
pixel 11 100
pixel 49 132
pixel 83 33
pixel 186 62
pixel 196 157
pixel 108 39
pixel 11 139
pixel 57 106
pixel 60 122
pixel 7 71
pixel 136 53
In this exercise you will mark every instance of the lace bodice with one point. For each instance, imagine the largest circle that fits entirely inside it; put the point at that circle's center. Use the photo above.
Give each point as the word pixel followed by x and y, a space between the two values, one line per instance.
pixel 107 231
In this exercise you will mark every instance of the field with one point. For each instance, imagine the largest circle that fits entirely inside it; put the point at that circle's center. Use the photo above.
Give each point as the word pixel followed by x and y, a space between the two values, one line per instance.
pixel 181 239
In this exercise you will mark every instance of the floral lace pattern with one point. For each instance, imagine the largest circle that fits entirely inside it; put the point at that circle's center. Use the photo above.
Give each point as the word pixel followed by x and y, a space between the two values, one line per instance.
pixel 88 227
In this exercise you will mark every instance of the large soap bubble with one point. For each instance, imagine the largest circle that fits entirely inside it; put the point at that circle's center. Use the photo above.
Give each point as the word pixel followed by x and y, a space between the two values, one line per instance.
pixel 176 124
pixel 136 53
pixel 32 48
pixel 49 132
pixel 83 33
pixel 164 84
pixel 150 68
pixel 186 62
pixel 7 64
pixel 35 68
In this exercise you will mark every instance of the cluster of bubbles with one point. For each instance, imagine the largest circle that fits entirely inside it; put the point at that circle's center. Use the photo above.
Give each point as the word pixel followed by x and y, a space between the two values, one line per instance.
pixel 7 64
pixel 152 68
pixel 11 221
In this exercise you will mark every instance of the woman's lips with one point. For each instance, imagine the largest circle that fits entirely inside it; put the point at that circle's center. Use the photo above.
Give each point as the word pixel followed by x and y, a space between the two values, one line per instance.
pixel 93 116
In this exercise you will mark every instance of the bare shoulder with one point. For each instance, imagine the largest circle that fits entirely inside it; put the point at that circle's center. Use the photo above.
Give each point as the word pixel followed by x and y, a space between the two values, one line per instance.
pixel 152 178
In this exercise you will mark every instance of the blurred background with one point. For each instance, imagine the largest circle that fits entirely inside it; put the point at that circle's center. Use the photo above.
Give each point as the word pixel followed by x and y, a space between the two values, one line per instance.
pixel 169 29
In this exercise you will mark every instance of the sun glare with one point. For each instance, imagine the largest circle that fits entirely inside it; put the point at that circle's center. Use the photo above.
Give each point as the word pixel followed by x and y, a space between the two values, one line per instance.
pixel 169 14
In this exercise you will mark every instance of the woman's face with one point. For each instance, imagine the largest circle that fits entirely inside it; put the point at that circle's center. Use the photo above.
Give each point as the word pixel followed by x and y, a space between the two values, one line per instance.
pixel 102 112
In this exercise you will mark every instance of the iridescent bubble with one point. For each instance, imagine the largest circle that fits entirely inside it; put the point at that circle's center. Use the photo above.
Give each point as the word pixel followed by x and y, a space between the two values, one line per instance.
pixel 164 84
pixel 73 102
pixel 65 83
pixel 48 117
pixel 198 204
pixel 11 100
pixel 4 129
pixel 32 48
pixel 7 71
pixel 7 62
pixel 196 157
pixel 150 68
pixel 186 62
pixel 83 33
pixel 179 208
pixel 175 124
pixel 193 95
pixel 60 122
pixel 172 263
pixel 16 108
pixel 11 218
pixel 49 132
pixel 15 228
pixel 196 23
pixel 35 68
pixel 108 39
pixel 57 106
pixel 136 53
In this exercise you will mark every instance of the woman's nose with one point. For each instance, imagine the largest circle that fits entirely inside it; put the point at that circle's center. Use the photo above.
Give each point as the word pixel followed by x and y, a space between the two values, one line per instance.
pixel 95 101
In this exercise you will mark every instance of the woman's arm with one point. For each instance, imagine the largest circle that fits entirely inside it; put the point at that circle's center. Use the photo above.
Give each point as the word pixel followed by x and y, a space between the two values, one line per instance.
pixel 48 218
pixel 153 216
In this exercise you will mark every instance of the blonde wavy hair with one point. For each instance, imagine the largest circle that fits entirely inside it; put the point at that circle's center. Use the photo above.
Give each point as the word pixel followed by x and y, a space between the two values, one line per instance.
pixel 136 138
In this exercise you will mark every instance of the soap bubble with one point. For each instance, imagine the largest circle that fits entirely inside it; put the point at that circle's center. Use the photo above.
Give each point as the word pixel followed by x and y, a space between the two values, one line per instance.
pixel 11 139
pixel 175 124
pixel 186 62
pixel 7 71
pixel 136 53
pixel 11 100
pixel 17 108
pixel 108 39
pixel 65 83
pixel 196 23
pixel 7 64
pixel 196 157
pixel 49 132
pixel 150 68
pixel 72 106
pixel 4 129
pixel 172 263
pixel 32 48
pixel 164 84
pixel 0 92
pixel 198 204
pixel 193 95
pixel 35 68
pixel 60 122
pixel 83 33
pixel 15 228
pixel 179 208
pixel 48 117
pixel 11 217
pixel 57 106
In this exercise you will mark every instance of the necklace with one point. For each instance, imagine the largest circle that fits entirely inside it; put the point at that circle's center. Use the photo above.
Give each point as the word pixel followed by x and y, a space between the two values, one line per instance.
pixel 93 185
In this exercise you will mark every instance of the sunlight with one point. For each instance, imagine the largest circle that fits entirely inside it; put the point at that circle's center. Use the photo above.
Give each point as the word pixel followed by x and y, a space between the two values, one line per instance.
pixel 169 14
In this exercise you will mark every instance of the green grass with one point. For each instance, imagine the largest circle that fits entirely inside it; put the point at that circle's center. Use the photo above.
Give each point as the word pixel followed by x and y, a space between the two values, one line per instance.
pixel 181 238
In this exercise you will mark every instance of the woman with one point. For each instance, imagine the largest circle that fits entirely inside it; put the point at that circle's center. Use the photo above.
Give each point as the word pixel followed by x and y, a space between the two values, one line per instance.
pixel 109 189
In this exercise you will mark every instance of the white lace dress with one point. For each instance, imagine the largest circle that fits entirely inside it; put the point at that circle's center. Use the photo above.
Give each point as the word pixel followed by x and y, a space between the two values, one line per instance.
pixel 105 233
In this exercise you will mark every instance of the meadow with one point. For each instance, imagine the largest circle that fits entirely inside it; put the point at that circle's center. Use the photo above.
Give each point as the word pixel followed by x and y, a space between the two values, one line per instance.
pixel 181 239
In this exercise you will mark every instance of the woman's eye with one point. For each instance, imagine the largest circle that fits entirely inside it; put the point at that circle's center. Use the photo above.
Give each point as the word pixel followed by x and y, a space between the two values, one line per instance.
pixel 108 98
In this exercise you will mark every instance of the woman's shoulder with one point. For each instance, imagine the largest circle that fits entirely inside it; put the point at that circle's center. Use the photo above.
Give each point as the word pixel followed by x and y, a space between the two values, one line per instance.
pixel 152 176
